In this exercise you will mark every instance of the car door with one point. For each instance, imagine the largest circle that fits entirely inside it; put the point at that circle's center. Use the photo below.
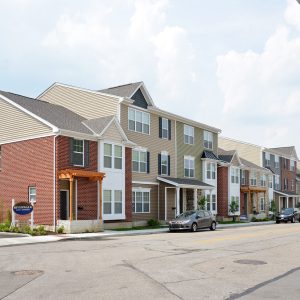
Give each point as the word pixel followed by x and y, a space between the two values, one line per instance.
pixel 207 219
pixel 200 219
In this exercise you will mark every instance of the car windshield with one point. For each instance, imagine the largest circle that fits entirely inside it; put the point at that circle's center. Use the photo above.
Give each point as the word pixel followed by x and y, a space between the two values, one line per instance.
pixel 287 211
pixel 186 214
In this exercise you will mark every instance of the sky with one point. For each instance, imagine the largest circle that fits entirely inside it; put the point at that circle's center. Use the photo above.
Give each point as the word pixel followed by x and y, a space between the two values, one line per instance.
pixel 232 64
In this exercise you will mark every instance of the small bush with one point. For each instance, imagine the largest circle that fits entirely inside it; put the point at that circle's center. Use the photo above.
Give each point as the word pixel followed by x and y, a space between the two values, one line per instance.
pixel 8 217
pixel 60 229
pixel 254 219
pixel 153 222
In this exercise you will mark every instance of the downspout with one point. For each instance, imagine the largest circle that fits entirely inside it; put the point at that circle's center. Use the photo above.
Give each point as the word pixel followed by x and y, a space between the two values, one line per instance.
pixel 54 183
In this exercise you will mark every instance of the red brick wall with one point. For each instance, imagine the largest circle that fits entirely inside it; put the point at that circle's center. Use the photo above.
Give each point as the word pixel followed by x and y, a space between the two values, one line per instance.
pixel 223 191
pixel 86 190
pixel 24 164
pixel 289 175
pixel 128 184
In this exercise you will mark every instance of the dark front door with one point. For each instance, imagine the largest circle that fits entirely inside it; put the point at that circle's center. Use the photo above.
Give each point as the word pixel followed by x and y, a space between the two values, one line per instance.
pixel 64 205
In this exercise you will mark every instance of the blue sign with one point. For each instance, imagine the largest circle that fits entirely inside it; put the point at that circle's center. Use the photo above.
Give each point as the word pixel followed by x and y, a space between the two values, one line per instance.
pixel 23 208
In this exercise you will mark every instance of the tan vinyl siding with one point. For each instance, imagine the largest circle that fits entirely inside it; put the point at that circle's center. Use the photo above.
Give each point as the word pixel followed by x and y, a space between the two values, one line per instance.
pixel 250 152
pixel 235 161
pixel 16 124
pixel 195 150
pixel 87 104
pixel 152 143
pixel 112 133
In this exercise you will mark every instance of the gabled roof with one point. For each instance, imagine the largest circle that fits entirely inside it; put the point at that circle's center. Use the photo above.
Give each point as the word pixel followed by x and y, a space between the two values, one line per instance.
pixel 289 151
pixel 250 165
pixel 55 115
pixel 209 155
pixel 225 155
pixel 186 183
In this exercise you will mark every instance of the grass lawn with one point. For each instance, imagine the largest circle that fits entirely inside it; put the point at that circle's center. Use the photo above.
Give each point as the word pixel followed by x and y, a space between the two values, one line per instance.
pixel 231 222
pixel 140 228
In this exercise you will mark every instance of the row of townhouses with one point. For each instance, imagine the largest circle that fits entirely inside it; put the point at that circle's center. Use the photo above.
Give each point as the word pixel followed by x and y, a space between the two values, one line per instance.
pixel 86 157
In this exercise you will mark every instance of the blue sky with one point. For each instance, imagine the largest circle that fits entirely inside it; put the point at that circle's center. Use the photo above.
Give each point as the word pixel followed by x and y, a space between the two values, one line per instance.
pixel 233 64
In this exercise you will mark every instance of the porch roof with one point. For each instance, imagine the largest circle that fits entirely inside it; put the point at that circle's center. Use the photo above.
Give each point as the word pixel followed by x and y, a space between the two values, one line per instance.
pixel 287 194
pixel 255 189
pixel 71 173
pixel 186 183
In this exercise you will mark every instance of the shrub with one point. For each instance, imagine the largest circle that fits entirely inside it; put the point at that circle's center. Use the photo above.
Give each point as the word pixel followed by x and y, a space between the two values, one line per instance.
pixel 254 219
pixel 153 222
pixel 202 203
pixel 60 229
pixel 8 217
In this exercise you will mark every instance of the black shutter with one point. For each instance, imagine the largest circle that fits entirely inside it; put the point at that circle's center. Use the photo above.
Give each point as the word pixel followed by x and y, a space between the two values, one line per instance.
pixel 71 153
pixel 169 165
pixel 148 162
pixel 160 127
pixel 86 153
pixel 169 121
pixel 159 164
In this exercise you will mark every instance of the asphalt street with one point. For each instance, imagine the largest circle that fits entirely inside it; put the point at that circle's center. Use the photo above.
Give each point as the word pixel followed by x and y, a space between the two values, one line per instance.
pixel 238 263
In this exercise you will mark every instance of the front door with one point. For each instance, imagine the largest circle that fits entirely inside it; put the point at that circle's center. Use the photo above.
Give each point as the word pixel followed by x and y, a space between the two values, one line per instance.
pixel 64 205
pixel 245 204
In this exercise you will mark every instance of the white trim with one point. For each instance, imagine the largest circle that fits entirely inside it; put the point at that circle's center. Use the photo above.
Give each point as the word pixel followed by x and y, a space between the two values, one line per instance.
pixel 54 128
pixel 145 182
pixel 144 91
pixel 54 183
pixel 27 139
pixel 84 136
pixel 142 190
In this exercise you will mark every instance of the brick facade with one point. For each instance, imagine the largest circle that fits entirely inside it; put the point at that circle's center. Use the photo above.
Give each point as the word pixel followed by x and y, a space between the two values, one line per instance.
pixel 222 191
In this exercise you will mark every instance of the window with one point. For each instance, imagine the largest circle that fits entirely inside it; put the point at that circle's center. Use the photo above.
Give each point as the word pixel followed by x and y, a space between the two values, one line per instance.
pixel 213 202
pixel 263 180
pixel 188 134
pixel 164 161
pixel 253 179
pixel 189 166
pixel 139 161
pixel 271 181
pixel 235 175
pixel 243 179
pixel 208 140
pixel 236 199
pixel 276 182
pixel 112 202
pixel 211 171
pixel 292 165
pixel 292 185
pixel 276 161
pixel 32 194
pixel 267 159
pixel 112 156
pixel 285 184
pixel 78 152
pixel 262 204
pixel 208 202
pixel 138 121
pixel 141 201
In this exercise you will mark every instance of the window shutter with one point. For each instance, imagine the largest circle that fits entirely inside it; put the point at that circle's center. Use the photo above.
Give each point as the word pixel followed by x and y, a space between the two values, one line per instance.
pixel 71 153
pixel 160 127
pixel 148 162
pixel 86 153
pixel 169 121
pixel 159 164
pixel 169 165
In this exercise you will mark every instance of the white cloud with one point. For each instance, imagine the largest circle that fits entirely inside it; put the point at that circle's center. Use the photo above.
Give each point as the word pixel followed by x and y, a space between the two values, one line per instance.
pixel 263 87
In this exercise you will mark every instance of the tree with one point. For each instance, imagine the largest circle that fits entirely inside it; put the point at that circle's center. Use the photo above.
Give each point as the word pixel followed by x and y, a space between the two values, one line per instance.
pixel 273 208
pixel 202 203
pixel 233 208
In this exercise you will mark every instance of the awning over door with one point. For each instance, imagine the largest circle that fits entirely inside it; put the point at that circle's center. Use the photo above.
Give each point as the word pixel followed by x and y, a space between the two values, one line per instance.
pixel 186 183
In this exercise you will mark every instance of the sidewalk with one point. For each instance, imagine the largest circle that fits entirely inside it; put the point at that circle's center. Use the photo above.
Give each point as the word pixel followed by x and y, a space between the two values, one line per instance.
pixel 27 239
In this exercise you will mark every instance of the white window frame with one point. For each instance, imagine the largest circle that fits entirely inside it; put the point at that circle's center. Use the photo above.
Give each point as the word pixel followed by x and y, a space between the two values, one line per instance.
pixel 268 159
pixel 112 202
pixel 77 152
pixel 243 177
pixel 277 181
pixel 189 158
pixel 139 161
pixel 253 179
pixel 234 175
pixel 166 154
pixel 263 180
pixel 270 181
pixel 210 171
pixel 292 185
pixel 165 122
pixel 143 191
pixel 208 140
pixel 113 156
pixel 285 184
pixel 276 161
pixel 292 165
pixel 32 194
pixel 189 132
pixel 145 120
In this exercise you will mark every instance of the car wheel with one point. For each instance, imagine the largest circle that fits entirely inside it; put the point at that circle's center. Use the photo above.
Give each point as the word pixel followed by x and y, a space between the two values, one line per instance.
pixel 277 222
pixel 194 227
pixel 213 226
pixel 293 220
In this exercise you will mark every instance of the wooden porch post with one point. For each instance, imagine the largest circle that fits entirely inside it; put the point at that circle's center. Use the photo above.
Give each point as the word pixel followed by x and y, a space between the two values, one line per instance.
pixel 100 199
pixel 71 199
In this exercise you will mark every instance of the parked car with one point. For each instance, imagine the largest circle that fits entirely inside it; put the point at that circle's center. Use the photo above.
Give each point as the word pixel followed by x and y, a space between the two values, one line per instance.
pixel 193 220
pixel 288 214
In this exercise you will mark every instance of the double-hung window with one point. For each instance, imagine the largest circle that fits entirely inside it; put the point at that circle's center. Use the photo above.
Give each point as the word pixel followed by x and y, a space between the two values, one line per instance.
pixel 189 134
pixel 270 181
pixel 263 180
pixel 78 152
pixel 32 194
pixel 267 155
pixel 189 166
pixel 235 176
pixel 276 161
pixel 253 179
pixel 138 121
pixel 112 156
pixel 211 171
pixel 141 201
pixel 292 185
pixel 165 128
pixel 208 140
pixel 292 165
pixel 164 166
pixel 277 182
pixel 285 184
pixel 243 179
pixel 112 202
pixel 139 161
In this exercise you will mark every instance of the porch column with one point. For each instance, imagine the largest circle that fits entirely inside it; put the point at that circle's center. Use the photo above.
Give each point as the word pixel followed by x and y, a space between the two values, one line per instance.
pixel 177 201
pixel 287 202
pixel 71 199
pixel 166 195
pixel 195 198
pixel 100 199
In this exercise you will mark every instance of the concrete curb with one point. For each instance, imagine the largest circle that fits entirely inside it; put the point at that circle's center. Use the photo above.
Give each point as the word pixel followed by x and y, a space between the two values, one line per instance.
pixel 25 240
